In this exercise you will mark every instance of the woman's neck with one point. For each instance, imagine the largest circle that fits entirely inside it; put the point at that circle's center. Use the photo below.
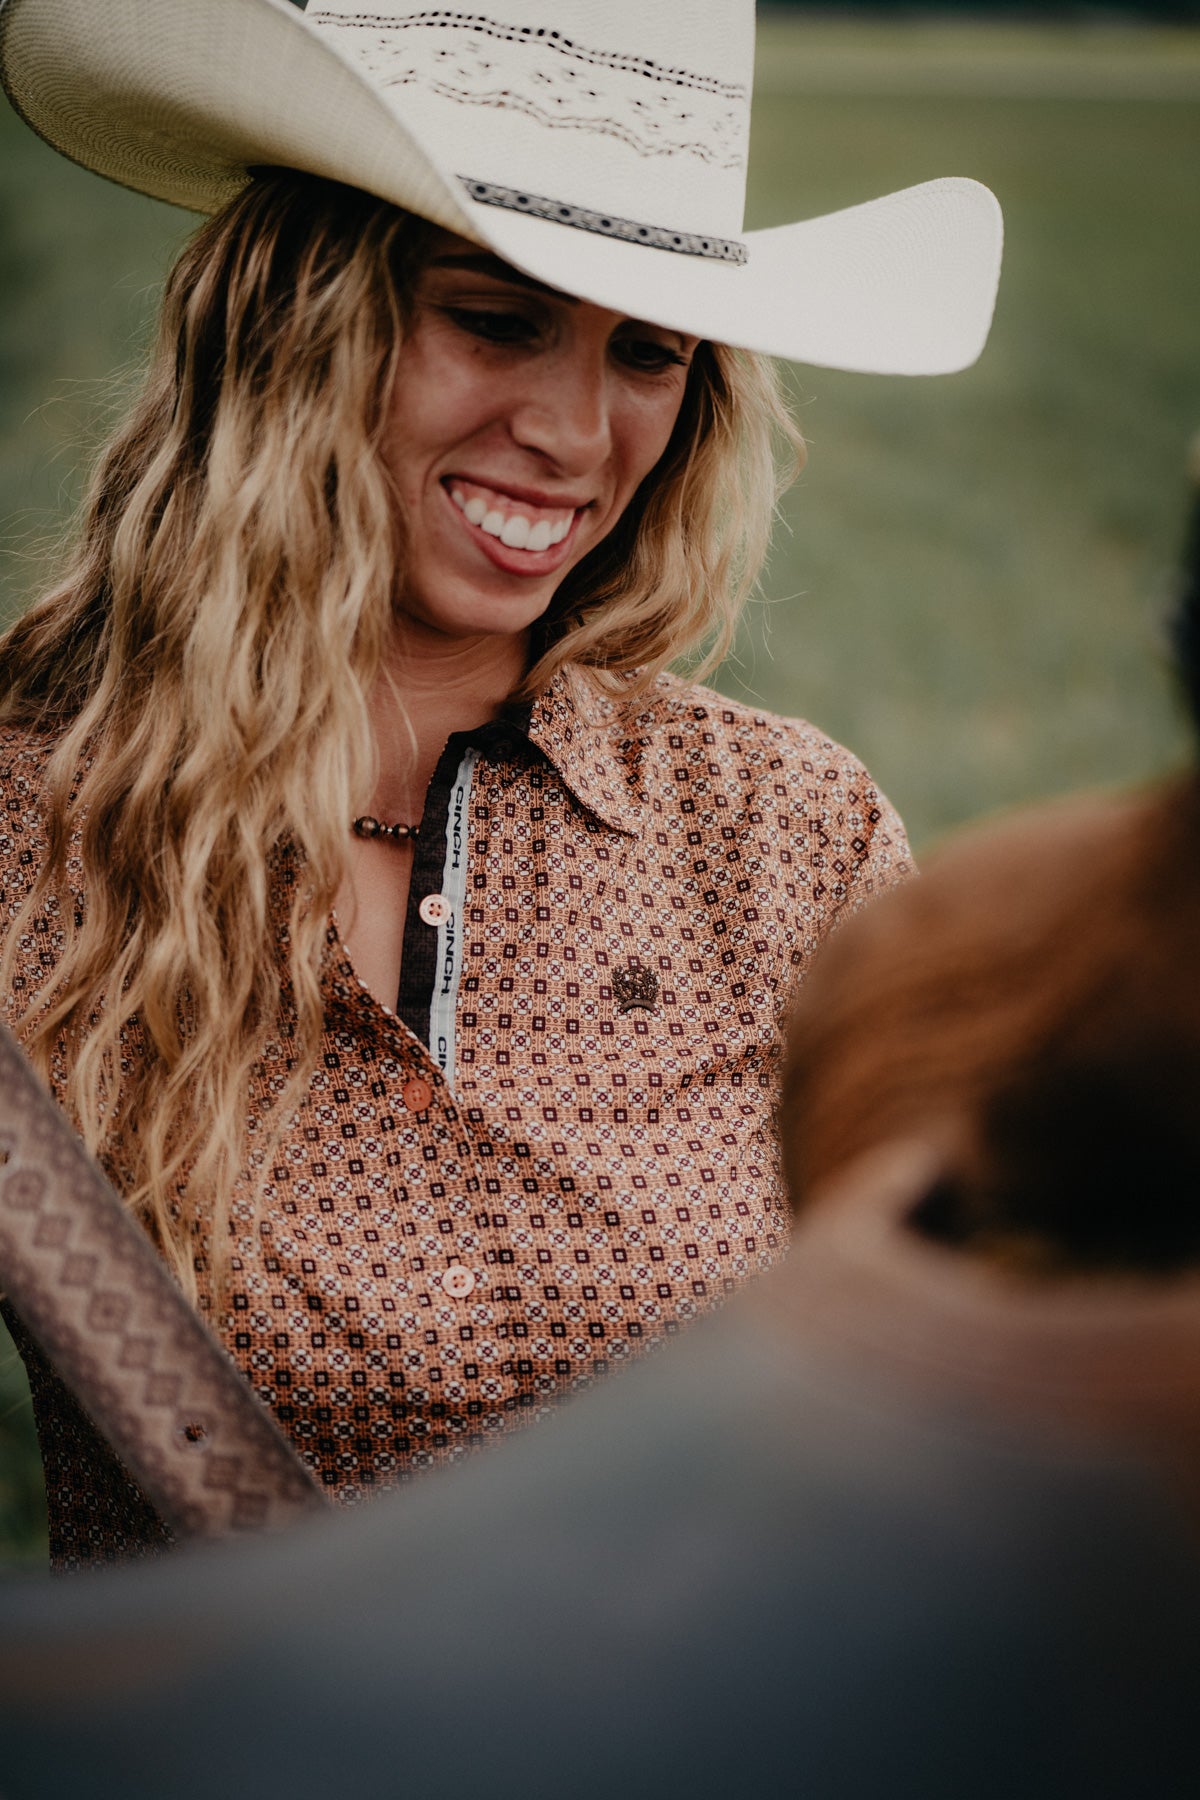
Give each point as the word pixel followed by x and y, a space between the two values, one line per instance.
pixel 429 687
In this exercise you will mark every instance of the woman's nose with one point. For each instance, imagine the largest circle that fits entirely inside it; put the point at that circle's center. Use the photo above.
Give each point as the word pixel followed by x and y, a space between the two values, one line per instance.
pixel 563 413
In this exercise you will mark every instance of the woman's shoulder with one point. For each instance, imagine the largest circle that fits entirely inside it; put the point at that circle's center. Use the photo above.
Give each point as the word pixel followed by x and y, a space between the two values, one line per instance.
pixel 25 751
pixel 676 750
pixel 798 787
pixel 701 716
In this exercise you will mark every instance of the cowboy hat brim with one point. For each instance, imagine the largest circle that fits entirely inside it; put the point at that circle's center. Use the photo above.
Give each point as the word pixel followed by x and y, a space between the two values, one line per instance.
pixel 179 100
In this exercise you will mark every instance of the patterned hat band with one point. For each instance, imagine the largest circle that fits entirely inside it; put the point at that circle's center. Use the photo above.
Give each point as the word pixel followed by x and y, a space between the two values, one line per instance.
pixel 582 218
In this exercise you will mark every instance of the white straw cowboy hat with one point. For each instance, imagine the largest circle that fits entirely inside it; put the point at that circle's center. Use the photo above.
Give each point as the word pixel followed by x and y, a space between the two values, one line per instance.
pixel 599 145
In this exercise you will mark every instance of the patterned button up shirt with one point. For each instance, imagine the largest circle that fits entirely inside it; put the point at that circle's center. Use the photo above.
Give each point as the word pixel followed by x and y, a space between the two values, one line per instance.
pixel 559 1146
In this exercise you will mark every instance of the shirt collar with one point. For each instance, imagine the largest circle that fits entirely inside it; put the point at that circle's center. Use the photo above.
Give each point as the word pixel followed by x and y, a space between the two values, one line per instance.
pixel 597 742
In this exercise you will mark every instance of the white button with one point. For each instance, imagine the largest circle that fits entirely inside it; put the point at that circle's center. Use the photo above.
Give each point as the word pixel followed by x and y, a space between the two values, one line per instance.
pixel 435 909
pixel 458 1281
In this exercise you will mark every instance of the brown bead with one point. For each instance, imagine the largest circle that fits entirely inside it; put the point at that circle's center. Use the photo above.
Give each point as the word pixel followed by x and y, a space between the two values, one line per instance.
pixel 368 827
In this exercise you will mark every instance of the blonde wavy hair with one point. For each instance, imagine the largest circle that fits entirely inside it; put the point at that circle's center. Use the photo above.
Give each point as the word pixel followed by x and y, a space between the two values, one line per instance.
pixel 201 673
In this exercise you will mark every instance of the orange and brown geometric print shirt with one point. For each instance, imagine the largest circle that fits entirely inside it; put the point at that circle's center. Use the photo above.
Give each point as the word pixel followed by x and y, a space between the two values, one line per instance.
pixel 558 1147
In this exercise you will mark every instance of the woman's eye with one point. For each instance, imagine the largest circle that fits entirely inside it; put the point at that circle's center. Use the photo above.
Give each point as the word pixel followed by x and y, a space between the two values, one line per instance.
pixel 494 326
pixel 648 355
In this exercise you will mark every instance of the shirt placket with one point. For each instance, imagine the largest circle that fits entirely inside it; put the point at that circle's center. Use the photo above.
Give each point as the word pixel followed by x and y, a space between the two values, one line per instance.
pixel 465 1341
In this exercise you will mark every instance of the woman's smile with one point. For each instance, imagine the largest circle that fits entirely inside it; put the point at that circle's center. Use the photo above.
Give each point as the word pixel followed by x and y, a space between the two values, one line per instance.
pixel 539 531
pixel 522 423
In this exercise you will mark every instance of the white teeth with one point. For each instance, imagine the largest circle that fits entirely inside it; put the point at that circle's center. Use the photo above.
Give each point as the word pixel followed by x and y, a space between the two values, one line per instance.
pixel 515 529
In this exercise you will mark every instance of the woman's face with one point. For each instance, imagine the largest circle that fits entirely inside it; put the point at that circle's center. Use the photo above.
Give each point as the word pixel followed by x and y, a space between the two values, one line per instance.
pixel 520 426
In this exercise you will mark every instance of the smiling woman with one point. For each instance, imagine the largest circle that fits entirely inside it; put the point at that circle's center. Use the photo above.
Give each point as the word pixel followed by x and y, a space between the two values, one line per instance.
pixel 409 943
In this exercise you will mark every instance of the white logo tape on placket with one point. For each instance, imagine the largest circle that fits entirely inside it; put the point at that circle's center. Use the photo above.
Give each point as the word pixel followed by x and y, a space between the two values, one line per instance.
pixel 443 1004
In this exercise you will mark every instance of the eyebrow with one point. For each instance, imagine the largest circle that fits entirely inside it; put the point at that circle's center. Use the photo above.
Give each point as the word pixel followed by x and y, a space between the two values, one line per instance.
pixel 485 264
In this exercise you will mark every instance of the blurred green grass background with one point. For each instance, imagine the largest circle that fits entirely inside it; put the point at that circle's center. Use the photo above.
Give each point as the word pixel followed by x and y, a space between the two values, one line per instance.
pixel 976 568
pixel 972 578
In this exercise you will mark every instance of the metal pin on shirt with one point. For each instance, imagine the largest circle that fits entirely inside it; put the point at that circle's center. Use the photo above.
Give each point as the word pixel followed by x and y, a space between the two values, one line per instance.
pixel 635 988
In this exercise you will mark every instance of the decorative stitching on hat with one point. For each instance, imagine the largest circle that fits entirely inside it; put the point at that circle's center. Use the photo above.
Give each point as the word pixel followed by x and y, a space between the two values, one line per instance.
pixel 464 58
pixel 537 34
pixel 582 218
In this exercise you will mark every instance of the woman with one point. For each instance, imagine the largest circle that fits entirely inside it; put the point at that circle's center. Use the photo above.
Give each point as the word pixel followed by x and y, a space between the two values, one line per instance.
pixel 408 944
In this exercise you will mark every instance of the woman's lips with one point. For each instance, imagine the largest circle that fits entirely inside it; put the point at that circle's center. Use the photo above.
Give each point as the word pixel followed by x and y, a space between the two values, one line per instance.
pixel 517 524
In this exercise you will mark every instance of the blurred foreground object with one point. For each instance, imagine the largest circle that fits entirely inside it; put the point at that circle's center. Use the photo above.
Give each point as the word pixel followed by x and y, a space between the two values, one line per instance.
pixel 81 1278
pixel 1029 1014
pixel 1032 1004
pixel 773 1558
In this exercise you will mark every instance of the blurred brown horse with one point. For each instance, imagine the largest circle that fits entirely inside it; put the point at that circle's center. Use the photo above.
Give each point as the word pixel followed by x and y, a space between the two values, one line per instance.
pixel 1031 1006
pixel 991 1122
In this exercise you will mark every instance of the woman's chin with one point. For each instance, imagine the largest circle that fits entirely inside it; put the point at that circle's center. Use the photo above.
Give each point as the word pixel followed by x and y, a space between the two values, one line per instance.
pixel 473 615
